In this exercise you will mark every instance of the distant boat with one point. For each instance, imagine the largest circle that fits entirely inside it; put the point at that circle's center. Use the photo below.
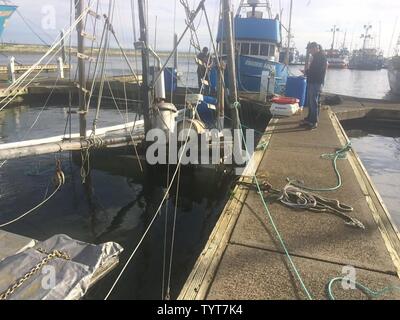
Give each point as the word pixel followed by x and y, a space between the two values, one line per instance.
pixel 394 74
pixel 366 58
pixel 6 12
pixel 337 59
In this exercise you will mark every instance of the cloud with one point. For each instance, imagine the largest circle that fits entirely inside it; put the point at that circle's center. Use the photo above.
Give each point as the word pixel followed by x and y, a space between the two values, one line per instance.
pixel 312 20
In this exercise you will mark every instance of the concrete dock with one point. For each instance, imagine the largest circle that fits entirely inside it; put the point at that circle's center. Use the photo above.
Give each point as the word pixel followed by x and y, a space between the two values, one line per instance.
pixel 243 258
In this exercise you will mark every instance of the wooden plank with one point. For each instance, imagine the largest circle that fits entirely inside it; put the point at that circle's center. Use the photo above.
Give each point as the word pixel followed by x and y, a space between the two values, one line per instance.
pixel 203 272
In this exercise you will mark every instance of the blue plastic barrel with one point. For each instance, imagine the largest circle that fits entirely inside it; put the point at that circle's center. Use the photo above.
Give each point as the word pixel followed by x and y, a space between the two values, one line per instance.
pixel 171 79
pixel 296 87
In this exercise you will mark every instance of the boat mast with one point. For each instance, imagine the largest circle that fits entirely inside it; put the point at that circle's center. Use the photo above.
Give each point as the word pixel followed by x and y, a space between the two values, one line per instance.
pixel 144 42
pixel 366 36
pixel 334 30
pixel 230 47
pixel 287 55
pixel 80 6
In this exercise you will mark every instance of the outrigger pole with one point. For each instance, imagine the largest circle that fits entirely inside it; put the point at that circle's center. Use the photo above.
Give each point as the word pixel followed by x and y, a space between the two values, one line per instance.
pixel 144 42
pixel 287 54
pixel 230 46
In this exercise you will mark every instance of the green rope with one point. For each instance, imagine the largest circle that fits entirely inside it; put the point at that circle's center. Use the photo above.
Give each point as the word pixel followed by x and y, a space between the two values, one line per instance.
pixel 362 288
pixel 339 154
pixel 282 242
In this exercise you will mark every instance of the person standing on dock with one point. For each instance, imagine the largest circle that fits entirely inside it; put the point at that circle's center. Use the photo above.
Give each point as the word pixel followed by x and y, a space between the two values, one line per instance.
pixel 315 82
pixel 202 66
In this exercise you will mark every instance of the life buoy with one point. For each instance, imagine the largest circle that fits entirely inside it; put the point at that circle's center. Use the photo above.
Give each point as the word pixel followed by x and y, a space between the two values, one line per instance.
pixel 285 100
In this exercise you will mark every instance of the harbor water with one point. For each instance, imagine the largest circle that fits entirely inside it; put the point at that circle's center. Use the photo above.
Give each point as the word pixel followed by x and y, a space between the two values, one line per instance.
pixel 355 83
pixel 379 150
pixel 117 204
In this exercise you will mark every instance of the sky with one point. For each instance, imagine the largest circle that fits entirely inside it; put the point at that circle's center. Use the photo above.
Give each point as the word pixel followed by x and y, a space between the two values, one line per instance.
pixel 312 20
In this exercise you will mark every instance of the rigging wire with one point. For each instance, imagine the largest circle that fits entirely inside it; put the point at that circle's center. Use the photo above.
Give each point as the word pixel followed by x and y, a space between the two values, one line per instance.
pixel 25 20
pixel 163 199
pixel 59 178
pixel 13 88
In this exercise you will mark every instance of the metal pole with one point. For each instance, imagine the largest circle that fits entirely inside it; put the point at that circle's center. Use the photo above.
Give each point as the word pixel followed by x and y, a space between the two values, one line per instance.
pixel 62 45
pixel 289 34
pixel 230 46
pixel 334 36
pixel 144 38
pixel 80 6
pixel 176 52
pixel 233 93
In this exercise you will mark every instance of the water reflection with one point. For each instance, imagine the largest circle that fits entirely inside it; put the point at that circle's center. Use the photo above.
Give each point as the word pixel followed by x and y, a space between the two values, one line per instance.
pixel 116 204
pixel 379 150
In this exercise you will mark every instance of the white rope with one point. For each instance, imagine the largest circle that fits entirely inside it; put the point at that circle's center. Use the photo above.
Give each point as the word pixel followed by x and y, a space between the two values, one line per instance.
pixel 33 209
pixel 126 125
pixel 16 90
pixel 13 88
pixel 164 198
pixel 37 117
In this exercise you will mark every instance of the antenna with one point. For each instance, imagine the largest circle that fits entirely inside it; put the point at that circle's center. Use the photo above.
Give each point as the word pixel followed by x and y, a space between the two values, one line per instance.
pixel 334 30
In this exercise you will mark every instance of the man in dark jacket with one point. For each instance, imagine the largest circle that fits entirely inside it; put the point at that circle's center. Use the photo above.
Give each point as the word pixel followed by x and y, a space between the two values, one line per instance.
pixel 315 82
pixel 202 65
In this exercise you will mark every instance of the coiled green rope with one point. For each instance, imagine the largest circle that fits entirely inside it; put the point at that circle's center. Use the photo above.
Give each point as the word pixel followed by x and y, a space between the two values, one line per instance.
pixel 362 288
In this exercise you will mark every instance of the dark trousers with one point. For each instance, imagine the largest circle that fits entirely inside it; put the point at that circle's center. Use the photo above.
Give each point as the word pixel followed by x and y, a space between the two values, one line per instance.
pixel 313 95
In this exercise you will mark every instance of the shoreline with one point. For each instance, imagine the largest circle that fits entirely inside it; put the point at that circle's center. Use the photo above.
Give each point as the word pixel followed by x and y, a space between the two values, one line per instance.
pixel 41 49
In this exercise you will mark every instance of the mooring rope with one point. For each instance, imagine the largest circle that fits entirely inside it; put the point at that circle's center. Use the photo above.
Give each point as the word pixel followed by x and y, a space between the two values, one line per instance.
pixel 299 199
pixel 339 154
pixel 369 292
pixel 236 105
pixel 59 178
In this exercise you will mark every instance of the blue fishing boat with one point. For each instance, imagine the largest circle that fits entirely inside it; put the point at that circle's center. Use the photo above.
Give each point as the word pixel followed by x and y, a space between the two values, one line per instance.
pixel 6 12
pixel 258 45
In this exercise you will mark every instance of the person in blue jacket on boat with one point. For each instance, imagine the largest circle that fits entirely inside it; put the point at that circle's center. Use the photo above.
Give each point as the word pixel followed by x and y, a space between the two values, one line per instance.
pixel 315 83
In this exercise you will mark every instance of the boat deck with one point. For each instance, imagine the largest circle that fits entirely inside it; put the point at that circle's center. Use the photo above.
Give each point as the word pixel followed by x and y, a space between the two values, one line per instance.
pixel 243 258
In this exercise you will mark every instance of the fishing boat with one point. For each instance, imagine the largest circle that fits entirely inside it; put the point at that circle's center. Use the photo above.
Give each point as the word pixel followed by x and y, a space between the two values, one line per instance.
pixel 258 44
pixel 337 59
pixel 366 58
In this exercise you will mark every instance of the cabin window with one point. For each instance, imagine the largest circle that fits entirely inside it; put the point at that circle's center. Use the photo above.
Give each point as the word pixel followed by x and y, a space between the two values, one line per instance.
pixel 272 50
pixel 264 50
pixel 255 49
pixel 224 48
pixel 245 48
